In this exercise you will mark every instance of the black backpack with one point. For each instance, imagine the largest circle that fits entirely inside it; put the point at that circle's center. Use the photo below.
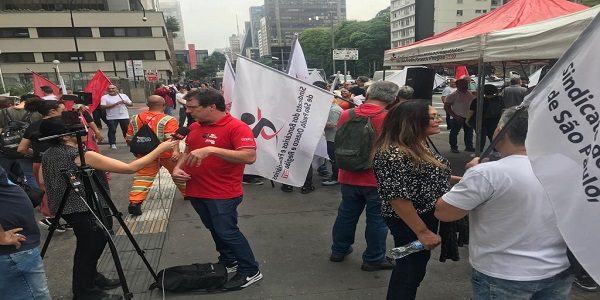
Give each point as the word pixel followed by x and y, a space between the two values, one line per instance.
pixel 353 143
pixel 12 134
pixel 196 277
pixel 144 140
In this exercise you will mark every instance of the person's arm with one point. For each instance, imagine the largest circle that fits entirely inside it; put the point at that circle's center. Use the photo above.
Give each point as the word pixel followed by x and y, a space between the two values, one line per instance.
pixel 97 132
pixel 104 163
pixel 405 209
pixel 448 213
pixel 454 179
pixel 126 101
pixel 241 156
pixel 11 237
pixel 25 147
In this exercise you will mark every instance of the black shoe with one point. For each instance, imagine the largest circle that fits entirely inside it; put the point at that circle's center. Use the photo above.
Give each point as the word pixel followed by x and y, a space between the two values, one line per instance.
pixel 307 189
pixel 254 181
pixel 240 281
pixel 585 282
pixel 387 263
pixel 287 188
pixel 454 150
pixel 336 257
pixel 135 209
pixel 106 284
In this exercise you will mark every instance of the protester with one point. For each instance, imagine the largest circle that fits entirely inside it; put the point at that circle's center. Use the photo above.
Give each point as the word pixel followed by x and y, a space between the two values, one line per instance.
pixel 457 107
pixel 91 239
pixel 48 93
pixel 163 126
pixel 451 88
pixel 23 275
pixel 183 116
pixel 164 91
pixel 346 101
pixel 115 105
pixel 359 189
pixel 492 110
pixel 330 128
pixel 218 148
pixel 405 93
pixel 515 246
pixel 514 94
pixel 410 178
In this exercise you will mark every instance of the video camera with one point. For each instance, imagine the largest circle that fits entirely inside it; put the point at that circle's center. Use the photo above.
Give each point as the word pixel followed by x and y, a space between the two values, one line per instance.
pixel 72 121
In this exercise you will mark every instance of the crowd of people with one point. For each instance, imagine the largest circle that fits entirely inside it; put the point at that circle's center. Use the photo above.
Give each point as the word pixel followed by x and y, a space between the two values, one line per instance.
pixel 404 186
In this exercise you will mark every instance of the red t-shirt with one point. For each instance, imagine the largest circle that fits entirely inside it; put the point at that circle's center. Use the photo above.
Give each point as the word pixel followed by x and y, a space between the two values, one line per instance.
pixel 366 177
pixel 217 178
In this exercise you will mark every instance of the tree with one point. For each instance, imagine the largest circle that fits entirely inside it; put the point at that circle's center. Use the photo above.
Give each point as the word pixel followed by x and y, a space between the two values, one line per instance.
pixel 172 25
pixel 208 68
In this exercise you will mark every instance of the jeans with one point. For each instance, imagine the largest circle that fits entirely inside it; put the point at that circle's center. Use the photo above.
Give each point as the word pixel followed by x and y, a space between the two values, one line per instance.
pixel 331 153
pixel 486 287
pixel 455 128
pixel 23 276
pixel 169 110
pixel 220 217
pixel 91 240
pixel 112 129
pixel 409 270
pixel 354 200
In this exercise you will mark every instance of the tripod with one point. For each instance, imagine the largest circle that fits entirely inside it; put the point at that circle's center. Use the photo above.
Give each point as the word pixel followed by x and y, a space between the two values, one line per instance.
pixel 84 176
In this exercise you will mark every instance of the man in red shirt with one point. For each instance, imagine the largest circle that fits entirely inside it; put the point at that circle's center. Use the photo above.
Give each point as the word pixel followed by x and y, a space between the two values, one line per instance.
pixel 218 148
pixel 359 190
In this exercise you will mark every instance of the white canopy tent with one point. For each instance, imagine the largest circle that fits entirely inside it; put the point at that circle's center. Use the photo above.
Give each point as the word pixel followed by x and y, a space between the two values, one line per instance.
pixel 547 39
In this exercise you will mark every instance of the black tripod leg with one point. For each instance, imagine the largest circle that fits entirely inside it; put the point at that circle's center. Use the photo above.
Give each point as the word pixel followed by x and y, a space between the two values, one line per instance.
pixel 113 250
pixel 55 222
pixel 119 218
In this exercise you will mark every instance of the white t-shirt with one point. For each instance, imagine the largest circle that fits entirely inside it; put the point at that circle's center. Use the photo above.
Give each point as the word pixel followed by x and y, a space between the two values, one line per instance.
pixel 512 227
pixel 179 98
pixel 50 97
pixel 118 112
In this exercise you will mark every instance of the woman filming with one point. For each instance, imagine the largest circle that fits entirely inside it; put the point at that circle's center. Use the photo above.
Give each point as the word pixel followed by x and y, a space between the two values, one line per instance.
pixel 410 178
pixel 91 239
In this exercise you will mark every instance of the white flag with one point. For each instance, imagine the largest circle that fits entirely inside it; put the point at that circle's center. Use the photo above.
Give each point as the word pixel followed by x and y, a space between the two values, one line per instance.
pixel 297 64
pixel 287 117
pixel 564 147
pixel 228 85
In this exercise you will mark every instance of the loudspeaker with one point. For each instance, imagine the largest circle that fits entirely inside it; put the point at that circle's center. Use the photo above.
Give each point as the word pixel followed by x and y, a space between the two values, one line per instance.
pixel 421 80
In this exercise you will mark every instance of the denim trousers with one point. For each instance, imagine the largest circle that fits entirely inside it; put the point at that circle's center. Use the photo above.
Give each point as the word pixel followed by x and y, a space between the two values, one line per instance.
pixel 23 276
pixel 556 287
pixel 221 218
pixel 354 200
pixel 112 129
pixel 455 128
pixel 409 270
pixel 168 110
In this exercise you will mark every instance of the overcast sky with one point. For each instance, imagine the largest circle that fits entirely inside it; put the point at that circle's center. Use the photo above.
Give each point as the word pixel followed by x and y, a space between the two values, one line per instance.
pixel 208 23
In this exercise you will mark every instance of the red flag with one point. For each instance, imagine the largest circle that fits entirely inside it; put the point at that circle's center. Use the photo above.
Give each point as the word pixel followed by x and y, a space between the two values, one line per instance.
pixel 460 72
pixel 39 81
pixel 97 86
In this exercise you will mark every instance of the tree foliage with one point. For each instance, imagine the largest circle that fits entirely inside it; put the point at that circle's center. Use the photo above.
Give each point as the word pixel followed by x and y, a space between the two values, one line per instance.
pixel 208 68
pixel 371 38
pixel 172 24
pixel 591 3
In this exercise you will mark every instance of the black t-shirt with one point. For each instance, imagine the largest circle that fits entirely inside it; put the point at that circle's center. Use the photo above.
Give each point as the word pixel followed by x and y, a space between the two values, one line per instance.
pixel 492 110
pixel 16 211
pixel 32 133
pixel 356 90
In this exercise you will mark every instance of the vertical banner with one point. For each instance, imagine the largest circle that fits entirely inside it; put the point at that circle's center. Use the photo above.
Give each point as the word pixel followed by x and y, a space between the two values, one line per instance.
pixel 97 87
pixel 228 85
pixel 563 144
pixel 287 117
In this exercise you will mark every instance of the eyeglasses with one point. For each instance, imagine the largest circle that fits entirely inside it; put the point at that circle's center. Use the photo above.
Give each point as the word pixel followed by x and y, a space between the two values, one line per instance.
pixel 435 117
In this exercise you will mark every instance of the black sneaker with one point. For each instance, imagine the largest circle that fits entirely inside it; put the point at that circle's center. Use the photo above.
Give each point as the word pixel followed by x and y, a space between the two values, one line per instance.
pixel 135 209
pixel 336 257
pixel 454 150
pixel 240 281
pixel 287 188
pixel 254 181
pixel 46 222
pixel 585 282
pixel 387 263
pixel 307 189
pixel 105 283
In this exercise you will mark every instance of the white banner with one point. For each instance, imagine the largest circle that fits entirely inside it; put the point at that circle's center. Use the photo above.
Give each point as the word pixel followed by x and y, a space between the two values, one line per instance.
pixel 287 117
pixel 564 147
pixel 228 85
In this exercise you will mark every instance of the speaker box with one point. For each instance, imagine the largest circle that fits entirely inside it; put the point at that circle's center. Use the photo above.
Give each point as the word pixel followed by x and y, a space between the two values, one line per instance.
pixel 421 80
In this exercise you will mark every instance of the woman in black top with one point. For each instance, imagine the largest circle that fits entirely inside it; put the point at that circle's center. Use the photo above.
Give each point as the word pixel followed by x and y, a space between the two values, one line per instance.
pixel 63 154
pixel 410 178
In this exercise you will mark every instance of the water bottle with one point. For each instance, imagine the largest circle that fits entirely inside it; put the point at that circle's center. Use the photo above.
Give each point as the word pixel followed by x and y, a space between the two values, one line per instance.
pixel 410 248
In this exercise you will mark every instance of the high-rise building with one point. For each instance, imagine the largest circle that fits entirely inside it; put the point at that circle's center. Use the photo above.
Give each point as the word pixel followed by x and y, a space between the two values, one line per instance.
pixel 172 8
pixel 235 44
pixel 256 13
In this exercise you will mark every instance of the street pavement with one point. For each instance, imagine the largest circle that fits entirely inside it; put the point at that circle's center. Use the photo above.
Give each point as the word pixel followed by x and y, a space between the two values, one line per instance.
pixel 290 234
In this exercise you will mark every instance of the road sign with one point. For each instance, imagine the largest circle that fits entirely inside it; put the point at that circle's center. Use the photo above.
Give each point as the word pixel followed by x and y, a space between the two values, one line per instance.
pixel 345 54
pixel 134 68
pixel 152 76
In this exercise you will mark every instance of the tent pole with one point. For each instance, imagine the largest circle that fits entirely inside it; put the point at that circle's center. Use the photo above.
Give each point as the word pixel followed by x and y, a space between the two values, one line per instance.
pixel 479 113
pixel 503 74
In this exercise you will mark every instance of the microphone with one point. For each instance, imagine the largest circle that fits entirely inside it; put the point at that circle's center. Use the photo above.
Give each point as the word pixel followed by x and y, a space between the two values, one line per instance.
pixel 180 134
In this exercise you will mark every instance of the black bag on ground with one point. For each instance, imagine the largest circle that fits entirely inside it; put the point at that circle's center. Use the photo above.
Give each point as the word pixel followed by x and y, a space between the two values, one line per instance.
pixel 144 140
pixel 12 134
pixel 195 277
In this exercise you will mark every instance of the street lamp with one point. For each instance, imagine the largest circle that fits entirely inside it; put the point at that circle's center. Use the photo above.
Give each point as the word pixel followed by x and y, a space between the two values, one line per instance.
pixel 2 77
pixel 63 88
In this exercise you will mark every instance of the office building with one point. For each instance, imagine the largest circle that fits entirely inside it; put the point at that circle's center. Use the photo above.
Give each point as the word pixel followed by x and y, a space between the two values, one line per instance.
pixel 256 13
pixel 172 8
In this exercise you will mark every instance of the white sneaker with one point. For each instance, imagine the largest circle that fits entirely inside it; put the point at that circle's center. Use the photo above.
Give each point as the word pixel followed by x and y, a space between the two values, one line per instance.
pixel 113 146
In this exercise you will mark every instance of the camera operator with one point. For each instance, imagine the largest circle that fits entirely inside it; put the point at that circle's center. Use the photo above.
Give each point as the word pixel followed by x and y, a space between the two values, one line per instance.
pixel 91 238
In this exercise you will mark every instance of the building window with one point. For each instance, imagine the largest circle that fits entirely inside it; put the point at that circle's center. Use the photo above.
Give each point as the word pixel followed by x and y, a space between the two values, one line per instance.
pixel 126 55
pixel 459 13
pixel 14 33
pixel 68 56
pixel 16 57
pixel 46 32
pixel 458 23
pixel 484 11
pixel 478 11
pixel 125 31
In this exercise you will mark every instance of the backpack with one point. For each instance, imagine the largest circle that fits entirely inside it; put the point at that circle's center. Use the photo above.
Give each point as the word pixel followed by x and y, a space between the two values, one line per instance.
pixel 144 140
pixel 353 143
pixel 12 133
pixel 207 277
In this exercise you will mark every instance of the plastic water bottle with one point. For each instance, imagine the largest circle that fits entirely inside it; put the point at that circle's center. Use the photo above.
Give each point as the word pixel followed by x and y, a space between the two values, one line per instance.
pixel 410 248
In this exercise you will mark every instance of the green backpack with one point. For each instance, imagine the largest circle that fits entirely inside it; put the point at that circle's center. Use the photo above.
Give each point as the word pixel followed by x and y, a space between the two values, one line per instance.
pixel 353 143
